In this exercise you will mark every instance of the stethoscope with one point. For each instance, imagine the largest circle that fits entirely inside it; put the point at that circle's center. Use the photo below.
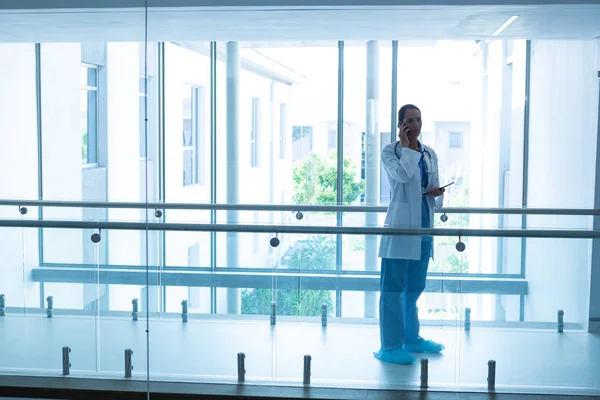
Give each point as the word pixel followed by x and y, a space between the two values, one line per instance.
pixel 423 152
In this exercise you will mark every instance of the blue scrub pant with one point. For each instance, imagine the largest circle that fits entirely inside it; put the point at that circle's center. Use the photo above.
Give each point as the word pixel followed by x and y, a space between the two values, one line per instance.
pixel 401 284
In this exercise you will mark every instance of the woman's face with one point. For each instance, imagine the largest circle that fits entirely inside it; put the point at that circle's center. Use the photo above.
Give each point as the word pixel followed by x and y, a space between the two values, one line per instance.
pixel 412 119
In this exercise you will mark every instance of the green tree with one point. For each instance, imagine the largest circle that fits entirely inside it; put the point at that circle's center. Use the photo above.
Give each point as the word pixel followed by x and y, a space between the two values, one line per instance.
pixel 315 180
pixel 317 253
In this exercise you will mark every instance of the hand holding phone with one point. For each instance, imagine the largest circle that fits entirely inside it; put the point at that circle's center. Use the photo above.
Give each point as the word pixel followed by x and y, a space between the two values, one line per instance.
pixel 403 135
pixel 438 191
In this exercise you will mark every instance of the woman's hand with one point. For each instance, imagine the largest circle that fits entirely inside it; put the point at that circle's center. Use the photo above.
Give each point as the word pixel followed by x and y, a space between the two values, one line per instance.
pixel 403 135
pixel 435 191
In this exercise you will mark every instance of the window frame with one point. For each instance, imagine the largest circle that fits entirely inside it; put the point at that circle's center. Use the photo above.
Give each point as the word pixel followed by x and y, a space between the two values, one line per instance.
pixel 195 110
pixel 142 105
pixel 255 132
pixel 91 157
pixel 283 117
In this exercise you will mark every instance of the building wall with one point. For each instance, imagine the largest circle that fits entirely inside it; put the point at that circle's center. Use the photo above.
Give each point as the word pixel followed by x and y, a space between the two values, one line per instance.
pixel 18 162
pixel 65 177
pixel 183 67
pixel 61 153
pixel 564 118
pixel 123 166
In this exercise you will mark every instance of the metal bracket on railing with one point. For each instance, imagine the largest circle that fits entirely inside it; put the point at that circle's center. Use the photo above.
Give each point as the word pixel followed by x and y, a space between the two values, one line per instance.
pixel 184 310
pixel 128 363
pixel 424 373
pixel 96 238
pixel 241 367
pixel 273 313
pixel 561 321
pixel 307 360
pixel 467 319
pixel 443 217
pixel 460 246
pixel 50 307
pixel 134 309
pixel 323 314
pixel 491 375
pixel 299 215
pixel 158 213
pixel 23 210
pixel 274 241
pixel 66 363
pixel 2 305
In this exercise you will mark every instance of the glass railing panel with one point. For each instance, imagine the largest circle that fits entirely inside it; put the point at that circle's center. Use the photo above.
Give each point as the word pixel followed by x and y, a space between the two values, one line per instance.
pixel 14 298
pixel 534 316
pixel 66 320
pixel 318 312
pixel 186 249
pixel 307 306
pixel 244 293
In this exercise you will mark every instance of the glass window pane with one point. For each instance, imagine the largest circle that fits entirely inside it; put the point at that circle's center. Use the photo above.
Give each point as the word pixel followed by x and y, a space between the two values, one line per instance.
pixel 455 140
pixel 92 125
pixel 142 111
pixel 83 104
pixel 92 77
pixel 190 135
pixel 283 130
pixel 255 132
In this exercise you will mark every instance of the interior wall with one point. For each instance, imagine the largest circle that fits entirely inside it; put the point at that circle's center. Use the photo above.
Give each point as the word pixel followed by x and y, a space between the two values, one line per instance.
pixel 562 141
pixel 19 178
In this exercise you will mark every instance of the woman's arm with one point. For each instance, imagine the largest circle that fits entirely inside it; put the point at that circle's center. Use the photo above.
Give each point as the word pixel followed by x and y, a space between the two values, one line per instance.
pixel 401 170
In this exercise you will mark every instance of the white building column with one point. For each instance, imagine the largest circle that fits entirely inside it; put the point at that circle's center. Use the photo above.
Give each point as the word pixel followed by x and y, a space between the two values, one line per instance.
pixel 233 114
pixel 594 318
pixel 372 167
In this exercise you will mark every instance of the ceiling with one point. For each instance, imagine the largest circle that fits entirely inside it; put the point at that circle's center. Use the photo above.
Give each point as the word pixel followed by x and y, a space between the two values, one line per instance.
pixel 305 25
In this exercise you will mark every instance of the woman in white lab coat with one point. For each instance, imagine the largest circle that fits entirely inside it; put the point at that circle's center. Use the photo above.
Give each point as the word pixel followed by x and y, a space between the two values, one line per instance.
pixel 412 171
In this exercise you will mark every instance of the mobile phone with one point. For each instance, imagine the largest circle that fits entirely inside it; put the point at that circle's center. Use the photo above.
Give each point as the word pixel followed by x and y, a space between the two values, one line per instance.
pixel 400 123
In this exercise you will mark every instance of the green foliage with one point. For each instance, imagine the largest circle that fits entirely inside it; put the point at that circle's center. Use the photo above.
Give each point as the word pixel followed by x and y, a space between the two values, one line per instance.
pixel 452 264
pixel 317 253
pixel 456 196
pixel 315 180
pixel 289 302
pixel 299 132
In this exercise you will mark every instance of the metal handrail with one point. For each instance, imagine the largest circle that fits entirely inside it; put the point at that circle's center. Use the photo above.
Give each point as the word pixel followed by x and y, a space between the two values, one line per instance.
pixel 290 207
pixel 302 229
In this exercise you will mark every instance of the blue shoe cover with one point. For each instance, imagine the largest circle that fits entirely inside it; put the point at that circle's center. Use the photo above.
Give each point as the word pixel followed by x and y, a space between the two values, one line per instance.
pixel 396 356
pixel 424 346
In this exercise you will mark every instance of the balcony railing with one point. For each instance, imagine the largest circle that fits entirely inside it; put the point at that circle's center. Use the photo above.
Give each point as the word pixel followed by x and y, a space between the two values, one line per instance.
pixel 238 277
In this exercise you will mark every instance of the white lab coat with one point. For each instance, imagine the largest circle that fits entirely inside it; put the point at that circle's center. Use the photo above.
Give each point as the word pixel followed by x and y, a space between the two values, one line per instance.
pixel 404 210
